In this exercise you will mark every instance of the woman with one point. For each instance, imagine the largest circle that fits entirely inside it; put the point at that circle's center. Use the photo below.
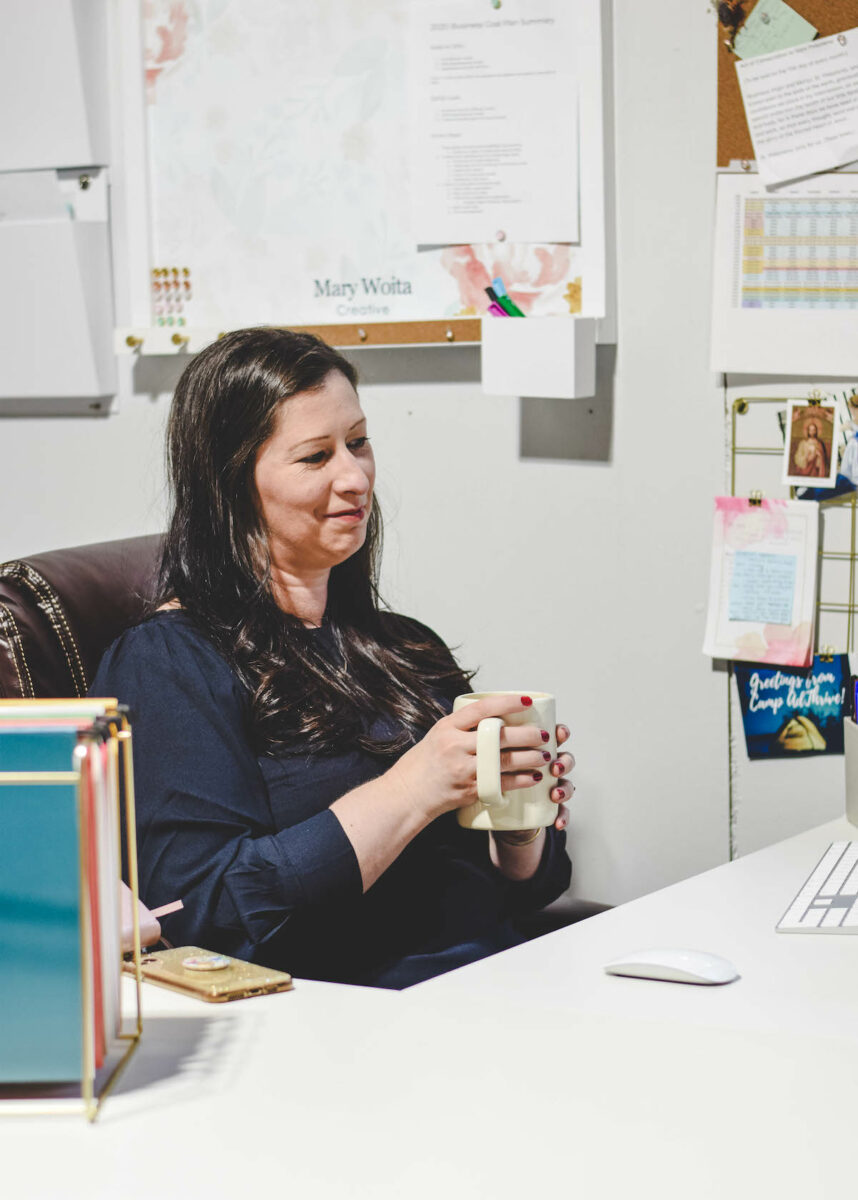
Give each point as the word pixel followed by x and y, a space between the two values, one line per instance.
pixel 297 764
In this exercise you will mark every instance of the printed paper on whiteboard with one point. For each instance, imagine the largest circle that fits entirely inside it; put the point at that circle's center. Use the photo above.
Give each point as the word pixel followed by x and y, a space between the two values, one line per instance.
pixel 762 584
pixel 494 122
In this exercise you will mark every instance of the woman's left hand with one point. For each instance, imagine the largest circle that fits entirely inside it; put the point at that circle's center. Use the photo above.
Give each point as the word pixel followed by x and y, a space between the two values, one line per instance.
pixel 564 787
pixel 519 860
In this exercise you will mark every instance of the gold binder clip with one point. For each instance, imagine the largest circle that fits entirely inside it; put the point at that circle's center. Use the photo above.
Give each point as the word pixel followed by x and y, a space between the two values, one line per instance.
pixel 755 499
pixel 826 654
pixel 816 395
pixel 180 339
pixel 133 342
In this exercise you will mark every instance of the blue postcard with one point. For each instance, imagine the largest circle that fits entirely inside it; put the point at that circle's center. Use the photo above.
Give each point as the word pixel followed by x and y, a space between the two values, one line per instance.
pixel 788 711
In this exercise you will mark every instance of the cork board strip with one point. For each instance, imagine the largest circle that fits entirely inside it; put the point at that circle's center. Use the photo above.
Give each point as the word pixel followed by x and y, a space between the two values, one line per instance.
pixel 397 333
pixel 734 140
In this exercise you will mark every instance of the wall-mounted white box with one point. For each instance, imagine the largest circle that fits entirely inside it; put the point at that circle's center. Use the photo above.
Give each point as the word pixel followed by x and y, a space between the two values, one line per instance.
pixel 554 357
pixel 56 303
pixel 54 84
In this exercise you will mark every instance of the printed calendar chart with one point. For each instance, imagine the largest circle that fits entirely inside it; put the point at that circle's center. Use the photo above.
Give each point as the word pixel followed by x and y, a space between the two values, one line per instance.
pixel 798 252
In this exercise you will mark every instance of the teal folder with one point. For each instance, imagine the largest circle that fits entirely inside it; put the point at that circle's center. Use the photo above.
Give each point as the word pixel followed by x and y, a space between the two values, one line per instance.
pixel 40 953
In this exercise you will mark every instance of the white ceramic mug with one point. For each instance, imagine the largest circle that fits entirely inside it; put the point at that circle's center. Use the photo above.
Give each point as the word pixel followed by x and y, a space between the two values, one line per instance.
pixel 522 808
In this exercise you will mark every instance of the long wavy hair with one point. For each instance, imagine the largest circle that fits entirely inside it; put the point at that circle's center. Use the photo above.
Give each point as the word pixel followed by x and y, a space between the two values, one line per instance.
pixel 216 565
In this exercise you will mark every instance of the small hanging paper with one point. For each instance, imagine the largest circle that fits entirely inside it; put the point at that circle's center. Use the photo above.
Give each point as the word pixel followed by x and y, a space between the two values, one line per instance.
pixel 762 586
pixel 772 25
pixel 790 713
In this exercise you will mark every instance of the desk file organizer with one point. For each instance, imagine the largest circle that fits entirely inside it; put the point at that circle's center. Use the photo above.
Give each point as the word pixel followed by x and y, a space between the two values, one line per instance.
pixel 63 767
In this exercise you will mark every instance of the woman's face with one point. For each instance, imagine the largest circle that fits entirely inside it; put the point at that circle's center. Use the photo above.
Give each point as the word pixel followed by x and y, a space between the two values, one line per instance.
pixel 314 478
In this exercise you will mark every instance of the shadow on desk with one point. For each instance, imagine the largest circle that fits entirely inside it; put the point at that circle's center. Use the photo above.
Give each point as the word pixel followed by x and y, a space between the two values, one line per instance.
pixel 182 1053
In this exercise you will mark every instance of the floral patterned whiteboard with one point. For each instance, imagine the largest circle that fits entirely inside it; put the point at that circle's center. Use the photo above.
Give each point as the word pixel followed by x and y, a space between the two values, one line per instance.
pixel 278 152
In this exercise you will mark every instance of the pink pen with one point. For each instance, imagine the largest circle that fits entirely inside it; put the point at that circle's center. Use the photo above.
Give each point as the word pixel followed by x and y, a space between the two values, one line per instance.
pixel 497 311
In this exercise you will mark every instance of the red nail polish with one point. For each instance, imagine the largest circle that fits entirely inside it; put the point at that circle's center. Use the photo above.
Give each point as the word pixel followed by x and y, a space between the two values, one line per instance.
pixel 526 701
pixel 537 776
pixel 546 756
pixel 546 736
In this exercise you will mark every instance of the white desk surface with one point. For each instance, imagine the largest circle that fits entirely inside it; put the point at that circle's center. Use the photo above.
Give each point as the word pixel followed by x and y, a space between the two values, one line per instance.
pixel 530 1073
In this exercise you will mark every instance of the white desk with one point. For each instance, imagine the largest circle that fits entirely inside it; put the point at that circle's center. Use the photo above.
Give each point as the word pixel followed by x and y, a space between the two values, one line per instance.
pixel 799 983
pixel 530 1073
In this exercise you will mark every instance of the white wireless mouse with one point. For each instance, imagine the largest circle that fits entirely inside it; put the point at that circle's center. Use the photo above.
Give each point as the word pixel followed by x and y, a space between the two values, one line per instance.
pixel 675 966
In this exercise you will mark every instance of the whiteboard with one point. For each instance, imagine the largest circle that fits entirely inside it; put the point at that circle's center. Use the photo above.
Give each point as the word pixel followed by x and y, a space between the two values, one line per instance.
pixel 278 167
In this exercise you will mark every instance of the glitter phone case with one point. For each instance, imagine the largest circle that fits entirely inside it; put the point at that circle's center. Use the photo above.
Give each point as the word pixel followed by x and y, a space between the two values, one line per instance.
pixel 213 977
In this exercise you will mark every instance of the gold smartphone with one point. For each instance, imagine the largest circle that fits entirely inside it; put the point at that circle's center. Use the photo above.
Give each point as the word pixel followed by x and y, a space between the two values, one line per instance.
pixel 208 976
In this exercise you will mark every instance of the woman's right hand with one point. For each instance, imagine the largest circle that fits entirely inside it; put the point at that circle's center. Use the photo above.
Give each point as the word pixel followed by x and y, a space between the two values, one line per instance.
pixel 440 773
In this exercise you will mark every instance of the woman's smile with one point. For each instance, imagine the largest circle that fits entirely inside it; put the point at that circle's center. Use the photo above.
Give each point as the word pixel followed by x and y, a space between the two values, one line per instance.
pixel 352 516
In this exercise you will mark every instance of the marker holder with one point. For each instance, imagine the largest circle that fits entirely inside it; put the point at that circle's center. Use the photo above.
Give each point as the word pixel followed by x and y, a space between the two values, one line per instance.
pixel 554 357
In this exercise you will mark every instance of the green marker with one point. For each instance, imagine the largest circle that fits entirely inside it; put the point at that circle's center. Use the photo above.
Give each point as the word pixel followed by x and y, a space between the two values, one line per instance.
pixel 508 306
pixel 503 299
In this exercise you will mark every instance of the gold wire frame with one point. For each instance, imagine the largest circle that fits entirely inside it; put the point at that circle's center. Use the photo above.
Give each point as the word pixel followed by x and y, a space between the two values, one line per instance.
pixel 741 406
pixel 120 759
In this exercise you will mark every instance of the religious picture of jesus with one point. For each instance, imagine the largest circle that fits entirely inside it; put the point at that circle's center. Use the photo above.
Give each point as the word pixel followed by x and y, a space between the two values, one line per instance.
pixel 810 450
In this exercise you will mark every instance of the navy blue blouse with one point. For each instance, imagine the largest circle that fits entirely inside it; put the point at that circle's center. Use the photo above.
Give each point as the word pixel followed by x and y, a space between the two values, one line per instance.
pixel 251 846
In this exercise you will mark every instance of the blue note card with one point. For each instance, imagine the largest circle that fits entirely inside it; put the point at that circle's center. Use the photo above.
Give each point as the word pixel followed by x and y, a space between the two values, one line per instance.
pixel 762 587
pixel 40 955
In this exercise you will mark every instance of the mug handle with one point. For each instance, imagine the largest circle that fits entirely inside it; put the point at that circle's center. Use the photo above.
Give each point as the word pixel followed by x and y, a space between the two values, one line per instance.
pixel 488 762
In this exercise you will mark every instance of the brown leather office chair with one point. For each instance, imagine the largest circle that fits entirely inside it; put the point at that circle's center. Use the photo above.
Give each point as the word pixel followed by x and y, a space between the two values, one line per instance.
pixel 59 611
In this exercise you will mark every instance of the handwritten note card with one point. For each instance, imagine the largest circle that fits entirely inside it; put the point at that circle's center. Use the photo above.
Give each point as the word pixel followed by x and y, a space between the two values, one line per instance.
pixel 762 587
pixel 772 25
pixel 802 107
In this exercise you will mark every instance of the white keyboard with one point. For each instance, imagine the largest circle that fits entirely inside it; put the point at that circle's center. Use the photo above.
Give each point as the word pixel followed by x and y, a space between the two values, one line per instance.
pixel 828 902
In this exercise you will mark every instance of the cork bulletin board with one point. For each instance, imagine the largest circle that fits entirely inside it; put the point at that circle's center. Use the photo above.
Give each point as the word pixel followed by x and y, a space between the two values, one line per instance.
pixel 734 140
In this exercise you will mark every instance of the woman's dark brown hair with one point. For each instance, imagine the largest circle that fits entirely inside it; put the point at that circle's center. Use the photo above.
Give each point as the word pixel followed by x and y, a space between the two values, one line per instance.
pixel 216 564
